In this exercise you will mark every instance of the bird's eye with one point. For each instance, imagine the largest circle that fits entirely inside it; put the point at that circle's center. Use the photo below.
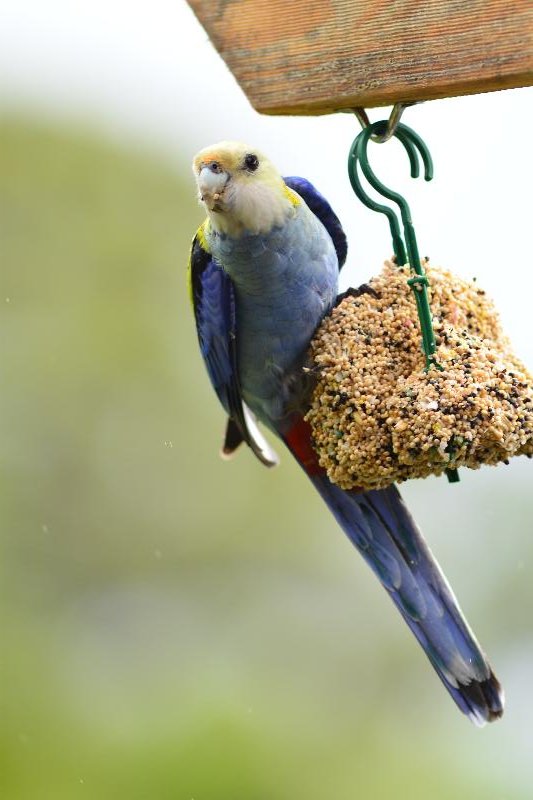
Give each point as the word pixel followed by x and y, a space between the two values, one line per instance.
pixel 251 162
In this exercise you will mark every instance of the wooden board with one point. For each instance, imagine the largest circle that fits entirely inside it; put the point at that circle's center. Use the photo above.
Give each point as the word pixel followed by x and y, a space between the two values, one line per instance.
pixel 319 56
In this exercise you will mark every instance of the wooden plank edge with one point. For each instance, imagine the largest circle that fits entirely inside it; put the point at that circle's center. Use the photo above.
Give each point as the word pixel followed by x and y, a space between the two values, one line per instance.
pixel 385 97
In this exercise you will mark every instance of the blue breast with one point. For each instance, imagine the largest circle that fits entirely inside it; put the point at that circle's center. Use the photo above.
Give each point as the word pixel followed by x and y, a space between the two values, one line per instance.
pixel 285 282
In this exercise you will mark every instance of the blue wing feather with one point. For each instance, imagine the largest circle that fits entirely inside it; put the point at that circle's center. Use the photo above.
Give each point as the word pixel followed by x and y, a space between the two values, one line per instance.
pixel 321 209
pixel 214 302
pixel 213 297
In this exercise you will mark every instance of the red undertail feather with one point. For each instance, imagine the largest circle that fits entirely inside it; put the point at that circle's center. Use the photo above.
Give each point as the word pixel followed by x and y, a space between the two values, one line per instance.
pixel 300 443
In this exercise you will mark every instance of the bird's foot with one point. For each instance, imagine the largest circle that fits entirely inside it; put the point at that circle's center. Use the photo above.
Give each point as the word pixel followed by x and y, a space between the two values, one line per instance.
pixel 351 292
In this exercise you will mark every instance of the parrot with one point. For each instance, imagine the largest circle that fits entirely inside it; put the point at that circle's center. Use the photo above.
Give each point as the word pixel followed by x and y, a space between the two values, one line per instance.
pixel 263 273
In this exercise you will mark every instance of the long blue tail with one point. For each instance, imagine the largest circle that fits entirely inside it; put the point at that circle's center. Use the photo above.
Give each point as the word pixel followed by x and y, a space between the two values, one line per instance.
pixel 381 528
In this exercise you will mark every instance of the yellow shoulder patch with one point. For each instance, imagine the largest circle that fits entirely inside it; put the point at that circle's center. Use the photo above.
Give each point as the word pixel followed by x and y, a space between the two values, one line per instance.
pixel 200 235
pixel 292 196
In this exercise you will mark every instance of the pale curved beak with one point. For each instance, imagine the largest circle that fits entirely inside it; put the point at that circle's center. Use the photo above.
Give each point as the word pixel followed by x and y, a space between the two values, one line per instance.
pixel 211 183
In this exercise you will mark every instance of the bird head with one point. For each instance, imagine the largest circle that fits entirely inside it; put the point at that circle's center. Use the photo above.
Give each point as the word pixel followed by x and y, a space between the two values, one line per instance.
pixel 242 190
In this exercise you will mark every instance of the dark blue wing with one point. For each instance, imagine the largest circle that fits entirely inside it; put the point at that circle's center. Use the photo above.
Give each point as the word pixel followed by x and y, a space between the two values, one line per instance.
pixel 322 209
pixel 213 298
pixel 214 311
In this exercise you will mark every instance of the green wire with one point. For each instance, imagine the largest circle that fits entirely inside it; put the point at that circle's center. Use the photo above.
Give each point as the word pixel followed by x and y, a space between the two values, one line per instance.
pixel 358 156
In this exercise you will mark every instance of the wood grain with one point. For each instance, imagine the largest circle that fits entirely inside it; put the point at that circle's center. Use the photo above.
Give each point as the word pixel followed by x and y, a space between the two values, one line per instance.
pixel 320 56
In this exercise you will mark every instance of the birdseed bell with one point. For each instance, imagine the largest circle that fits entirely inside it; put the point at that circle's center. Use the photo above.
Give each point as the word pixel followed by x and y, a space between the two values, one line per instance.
pixel 377 417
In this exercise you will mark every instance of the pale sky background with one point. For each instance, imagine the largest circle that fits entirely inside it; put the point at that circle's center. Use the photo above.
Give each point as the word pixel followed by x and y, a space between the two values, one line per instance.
pixel 144 71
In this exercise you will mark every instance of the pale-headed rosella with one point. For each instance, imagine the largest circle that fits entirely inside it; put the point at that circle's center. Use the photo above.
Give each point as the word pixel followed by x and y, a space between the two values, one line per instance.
pixel 263 274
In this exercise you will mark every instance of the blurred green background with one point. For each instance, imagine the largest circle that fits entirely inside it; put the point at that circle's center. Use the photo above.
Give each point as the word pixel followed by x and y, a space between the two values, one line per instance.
pixel 174 626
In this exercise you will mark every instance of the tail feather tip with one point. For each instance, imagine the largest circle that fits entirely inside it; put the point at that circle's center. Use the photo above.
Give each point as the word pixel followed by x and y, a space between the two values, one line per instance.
pixel 484 700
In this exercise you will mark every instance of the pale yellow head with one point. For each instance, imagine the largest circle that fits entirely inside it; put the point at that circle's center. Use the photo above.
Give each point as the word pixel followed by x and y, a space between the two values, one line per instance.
pixel 241 189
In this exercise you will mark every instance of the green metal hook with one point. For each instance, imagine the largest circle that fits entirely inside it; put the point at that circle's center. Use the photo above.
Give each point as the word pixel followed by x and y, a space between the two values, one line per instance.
pixel 354 158
pixel 414 145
